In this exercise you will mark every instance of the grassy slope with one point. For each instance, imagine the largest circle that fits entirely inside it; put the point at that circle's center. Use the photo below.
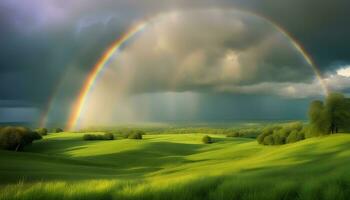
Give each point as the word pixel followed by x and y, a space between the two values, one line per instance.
pixel 177 167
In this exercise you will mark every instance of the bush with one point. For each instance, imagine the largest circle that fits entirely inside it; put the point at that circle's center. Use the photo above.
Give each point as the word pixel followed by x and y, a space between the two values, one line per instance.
pixel 125 134
pixel 278 140
pixel 135 135
pixel 207 139
pixel 233 134
pixel 106 136
pixel 262 136
pixel 57 130
pixel 243 132
pixel 300 136
pixel 268 140
pixel 282 134
pixel 15 138
pixel 293 137
pixel 35 135
pixel 41 131
pixel 90 137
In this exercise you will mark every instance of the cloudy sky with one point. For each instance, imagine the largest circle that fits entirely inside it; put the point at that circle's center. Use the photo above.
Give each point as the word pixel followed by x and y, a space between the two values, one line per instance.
pixel 197 60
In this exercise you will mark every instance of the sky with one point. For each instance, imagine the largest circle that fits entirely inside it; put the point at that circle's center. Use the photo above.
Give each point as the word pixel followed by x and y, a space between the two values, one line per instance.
pixel 195 61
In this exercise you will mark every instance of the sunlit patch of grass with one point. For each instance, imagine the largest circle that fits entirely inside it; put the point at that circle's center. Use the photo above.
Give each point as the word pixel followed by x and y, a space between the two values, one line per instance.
pixel 96 189
pixel 215 188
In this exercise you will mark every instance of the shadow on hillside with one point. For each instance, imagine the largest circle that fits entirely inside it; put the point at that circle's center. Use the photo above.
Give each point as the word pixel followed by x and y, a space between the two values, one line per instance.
pixel 150 157
pixel 136 163
pixel 57 146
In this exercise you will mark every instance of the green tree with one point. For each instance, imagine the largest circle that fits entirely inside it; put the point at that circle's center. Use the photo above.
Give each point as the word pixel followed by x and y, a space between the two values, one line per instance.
pixel 338 112
pixel 330 117
pixel 319 124
pixel 15 138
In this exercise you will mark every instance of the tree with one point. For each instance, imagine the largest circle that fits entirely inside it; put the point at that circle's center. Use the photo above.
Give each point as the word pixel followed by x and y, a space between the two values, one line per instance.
pixel 330 117
pixel 337 111
pixel 15 138
pixel 319 124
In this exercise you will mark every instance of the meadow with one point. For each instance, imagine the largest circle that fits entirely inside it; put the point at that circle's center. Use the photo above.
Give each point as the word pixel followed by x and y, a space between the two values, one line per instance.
pixel 176 166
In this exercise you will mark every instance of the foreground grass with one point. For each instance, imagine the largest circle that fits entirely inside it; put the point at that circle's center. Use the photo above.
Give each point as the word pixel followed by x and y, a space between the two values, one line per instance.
pixel 173 166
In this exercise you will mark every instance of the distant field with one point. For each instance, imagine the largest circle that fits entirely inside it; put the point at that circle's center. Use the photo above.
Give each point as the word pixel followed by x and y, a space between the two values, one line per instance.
pixel 176 166
pixel 190 127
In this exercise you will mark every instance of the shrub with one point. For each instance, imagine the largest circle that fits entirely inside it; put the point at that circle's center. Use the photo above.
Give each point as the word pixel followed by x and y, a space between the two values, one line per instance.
pixel 278 139
pixel 207 139
pixel 293 126
pixel 135 135
pixel 268 140
pixel 296 136
pixel 250 133
pixel 243 132
pixel 88 137
pixel 293 137
pixel 106 136
pixel 262 136
pixel 300 136
pixel 15 138
pixel 35 135
pixel 282 134
pixel 57 130
pixel 41 131
pixel 125 134
pixel 233 134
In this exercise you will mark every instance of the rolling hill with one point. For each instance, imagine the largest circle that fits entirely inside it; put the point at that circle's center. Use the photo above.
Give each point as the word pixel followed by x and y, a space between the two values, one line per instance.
pixel 176 166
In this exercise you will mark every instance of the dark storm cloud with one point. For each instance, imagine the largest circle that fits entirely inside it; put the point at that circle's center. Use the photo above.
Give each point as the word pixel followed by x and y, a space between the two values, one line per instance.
pixel 322 27
pixel 36 52
pixel 43 41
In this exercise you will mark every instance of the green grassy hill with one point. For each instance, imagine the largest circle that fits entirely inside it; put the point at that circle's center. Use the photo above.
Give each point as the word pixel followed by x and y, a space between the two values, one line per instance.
pixel 176 166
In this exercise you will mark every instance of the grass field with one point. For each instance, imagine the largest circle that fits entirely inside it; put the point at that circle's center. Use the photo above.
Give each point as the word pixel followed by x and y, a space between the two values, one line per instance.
pixel 176 166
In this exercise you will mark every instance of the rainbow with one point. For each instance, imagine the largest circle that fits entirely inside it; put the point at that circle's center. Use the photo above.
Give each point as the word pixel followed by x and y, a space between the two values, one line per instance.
pixel 115 46
pixel 307 57
pixel 96 70
pixel 50 104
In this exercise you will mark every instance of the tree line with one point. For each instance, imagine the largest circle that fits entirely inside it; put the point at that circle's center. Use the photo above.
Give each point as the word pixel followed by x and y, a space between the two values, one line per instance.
pixel 325 117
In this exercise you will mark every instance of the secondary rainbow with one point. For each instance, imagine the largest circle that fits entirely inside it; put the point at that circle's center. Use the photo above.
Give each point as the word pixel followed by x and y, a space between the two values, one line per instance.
pixel 90 80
